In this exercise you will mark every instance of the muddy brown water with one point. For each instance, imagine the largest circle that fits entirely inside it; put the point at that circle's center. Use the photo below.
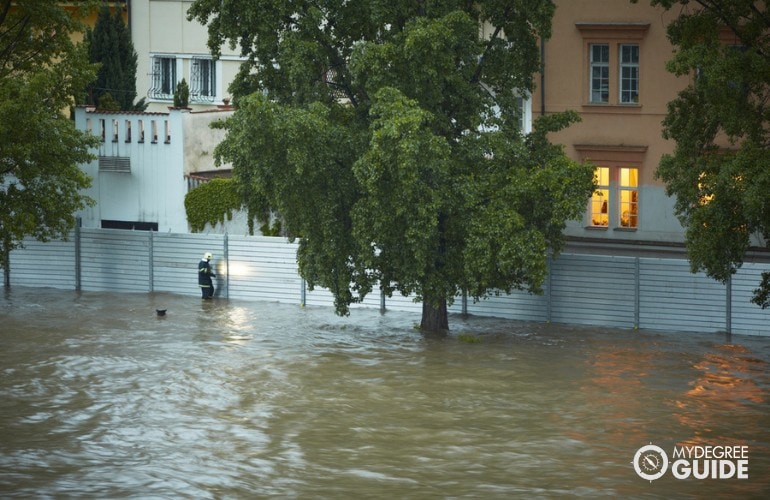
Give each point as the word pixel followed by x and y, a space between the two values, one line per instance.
pixel 102 398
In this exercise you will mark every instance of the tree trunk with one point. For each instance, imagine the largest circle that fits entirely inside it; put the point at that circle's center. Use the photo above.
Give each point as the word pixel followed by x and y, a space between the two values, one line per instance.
pixel 434 318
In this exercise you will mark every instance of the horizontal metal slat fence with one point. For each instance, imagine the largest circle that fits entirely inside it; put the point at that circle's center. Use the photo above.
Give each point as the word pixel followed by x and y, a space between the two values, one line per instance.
pixel 582 288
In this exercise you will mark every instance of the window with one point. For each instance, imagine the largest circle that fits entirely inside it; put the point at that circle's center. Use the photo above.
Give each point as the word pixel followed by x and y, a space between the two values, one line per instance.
pixel 622 200
pixel 163 77
pixel 600 73
pixel 629 196
pixel 612 53
pixel 615 202
pixel 601 198
pixel 203 79
pixel 629 74
pixel 628 56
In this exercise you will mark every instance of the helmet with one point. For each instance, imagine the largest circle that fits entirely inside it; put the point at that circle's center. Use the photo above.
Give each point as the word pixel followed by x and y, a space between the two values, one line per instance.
pixel 208 256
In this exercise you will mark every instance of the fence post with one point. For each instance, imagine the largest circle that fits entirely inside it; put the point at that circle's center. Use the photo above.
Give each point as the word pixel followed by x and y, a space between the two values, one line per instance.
pixel 226 244
pixel 729 305
pixel 549 279
pixel 151 259
pixel 637 291
pixel 382 301
pixel 78 255
pixel 7 268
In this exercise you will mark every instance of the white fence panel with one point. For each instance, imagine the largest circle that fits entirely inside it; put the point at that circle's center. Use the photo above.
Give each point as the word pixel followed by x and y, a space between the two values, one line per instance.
pixel 114 260
pixel 674 299
pixel 39 264
pixel 175 259
pixel 593 290
pixel 263 268
pixel 601 290
pixel 519 305
pixel 747 317
pixel 400 303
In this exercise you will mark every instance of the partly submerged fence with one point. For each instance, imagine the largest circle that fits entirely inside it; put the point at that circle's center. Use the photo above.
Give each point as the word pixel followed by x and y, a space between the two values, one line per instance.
pixel 582 288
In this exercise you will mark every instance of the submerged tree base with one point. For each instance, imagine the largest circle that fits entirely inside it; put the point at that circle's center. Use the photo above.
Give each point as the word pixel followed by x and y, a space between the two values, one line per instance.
pixel 434 318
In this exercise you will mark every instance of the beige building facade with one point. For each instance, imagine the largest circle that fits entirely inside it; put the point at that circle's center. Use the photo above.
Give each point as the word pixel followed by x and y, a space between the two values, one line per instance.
pixel 606 60
pixel 169 48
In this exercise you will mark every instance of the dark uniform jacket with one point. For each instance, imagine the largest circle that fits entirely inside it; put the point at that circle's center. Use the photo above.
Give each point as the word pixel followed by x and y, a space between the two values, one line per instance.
pixel 204 273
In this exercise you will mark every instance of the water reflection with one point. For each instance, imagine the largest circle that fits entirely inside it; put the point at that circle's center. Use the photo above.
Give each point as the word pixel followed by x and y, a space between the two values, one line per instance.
pixel 727 385
pixel 224 399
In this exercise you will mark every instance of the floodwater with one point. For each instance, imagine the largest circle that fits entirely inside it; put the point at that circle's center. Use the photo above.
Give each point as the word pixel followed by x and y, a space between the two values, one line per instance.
pixel 102 398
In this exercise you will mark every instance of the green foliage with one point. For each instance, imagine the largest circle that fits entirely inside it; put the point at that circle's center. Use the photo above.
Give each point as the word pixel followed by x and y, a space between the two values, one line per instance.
pixel 269 230
pixel 211 203
pixel 40 149
pixel 182 94
pixel 110 45
pixel 720 168
pixel 108 103
pixel 469 338
pixel 386 134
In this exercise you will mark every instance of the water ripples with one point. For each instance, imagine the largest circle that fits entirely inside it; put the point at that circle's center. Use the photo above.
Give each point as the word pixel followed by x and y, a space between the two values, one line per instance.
pixel 100 397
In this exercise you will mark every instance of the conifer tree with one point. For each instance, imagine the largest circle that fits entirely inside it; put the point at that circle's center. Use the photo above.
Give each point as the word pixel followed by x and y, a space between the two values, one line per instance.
pixel 110 45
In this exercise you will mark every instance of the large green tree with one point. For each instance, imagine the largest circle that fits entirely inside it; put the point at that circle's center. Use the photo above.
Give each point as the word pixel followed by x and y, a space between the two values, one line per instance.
pixel 110 45
pixel 719 171
pixel 387 134
pixel 40 149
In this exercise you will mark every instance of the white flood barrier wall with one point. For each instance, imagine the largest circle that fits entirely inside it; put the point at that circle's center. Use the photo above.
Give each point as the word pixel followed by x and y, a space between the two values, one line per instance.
pixel 601 290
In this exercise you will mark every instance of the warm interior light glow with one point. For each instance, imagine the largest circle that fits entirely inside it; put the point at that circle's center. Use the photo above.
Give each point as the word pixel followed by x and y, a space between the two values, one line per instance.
pixel 237 269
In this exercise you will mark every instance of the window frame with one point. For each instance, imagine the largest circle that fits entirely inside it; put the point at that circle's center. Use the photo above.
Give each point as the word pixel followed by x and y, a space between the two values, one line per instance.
pixel 628 85
pixel 614 36
pixel 599 211
pixel 600 95
pixel 615 159
pixel 164 76
pixel 203 83
pixel 628 206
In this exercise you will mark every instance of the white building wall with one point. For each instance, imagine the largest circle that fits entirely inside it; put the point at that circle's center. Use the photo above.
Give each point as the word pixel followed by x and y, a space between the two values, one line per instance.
pixel 154 188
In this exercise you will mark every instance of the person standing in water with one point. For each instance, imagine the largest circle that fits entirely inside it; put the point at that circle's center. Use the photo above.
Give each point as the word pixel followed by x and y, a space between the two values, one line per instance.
pixel 204 276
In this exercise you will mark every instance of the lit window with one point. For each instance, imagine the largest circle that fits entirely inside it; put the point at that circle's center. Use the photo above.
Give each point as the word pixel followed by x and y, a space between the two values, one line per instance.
pixel 629 196
pixel 600 73
pixel 629 74
pixel 601 198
